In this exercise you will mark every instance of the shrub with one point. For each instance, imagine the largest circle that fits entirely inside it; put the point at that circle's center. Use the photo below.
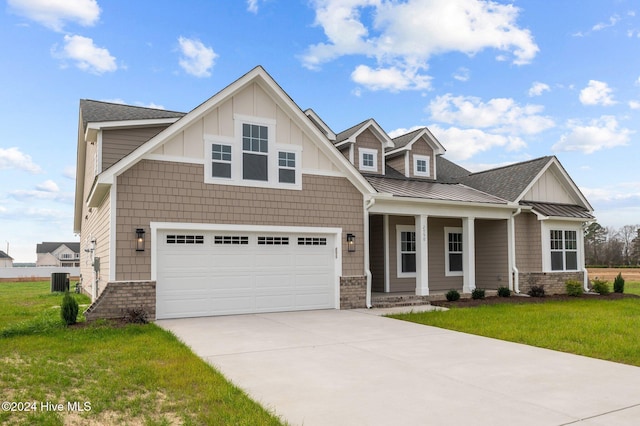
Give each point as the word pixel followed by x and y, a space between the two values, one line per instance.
pixel 600 287
pixel 477 293
pixel 536 291
pixel 69 309
pixel 135 316
pixel 452 295
pixel 574 288
pixel 504 292
pixel 618 284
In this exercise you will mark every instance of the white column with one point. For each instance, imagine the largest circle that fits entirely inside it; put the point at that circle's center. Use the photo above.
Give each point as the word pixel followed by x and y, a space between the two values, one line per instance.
pixel 385 239
pixel 422 256
pixel 511 250
pixel 468 254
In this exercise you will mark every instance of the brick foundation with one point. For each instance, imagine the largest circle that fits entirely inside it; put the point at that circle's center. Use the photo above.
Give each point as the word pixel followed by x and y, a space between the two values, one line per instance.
pixel 353 292
pixel 119 296
pixel 553 282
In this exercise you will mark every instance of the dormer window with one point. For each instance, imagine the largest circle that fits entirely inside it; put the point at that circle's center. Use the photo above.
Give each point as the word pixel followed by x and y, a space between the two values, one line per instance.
pixel 368 159
pixel 421 165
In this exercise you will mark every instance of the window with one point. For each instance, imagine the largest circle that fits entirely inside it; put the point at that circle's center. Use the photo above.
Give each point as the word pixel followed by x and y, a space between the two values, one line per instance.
pixel 286 167
pixel 228 239
pixel 421 165
pixel 406 243
pixel 255 152
pixel 221 161
pixel 273 241
pixel 312 241
pixel 453 251
pixel 368 159
pixel 185 239
pixel 564 250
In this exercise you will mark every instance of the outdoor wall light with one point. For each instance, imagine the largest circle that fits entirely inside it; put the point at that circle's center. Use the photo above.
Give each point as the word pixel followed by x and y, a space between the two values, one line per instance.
pixel 351 243
pixel 140 239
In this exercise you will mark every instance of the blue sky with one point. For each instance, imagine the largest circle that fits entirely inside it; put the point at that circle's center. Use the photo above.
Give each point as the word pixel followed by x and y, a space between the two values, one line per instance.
pixel 496 82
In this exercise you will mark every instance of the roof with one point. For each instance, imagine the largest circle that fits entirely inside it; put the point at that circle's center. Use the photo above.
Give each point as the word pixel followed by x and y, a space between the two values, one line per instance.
pixel 4 255
pixel 430 190
pixel 507 182
pixel 403 140
pixel 346 134
pixel 448 171
pixel 559 210
pixel 98 111
pixel 50 247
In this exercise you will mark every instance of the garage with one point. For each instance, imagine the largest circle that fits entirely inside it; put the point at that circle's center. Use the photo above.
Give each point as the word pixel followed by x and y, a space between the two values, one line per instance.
pixel 206 272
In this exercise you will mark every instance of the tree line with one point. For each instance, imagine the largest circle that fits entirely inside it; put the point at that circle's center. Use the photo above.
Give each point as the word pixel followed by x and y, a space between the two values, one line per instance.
pixel 608 246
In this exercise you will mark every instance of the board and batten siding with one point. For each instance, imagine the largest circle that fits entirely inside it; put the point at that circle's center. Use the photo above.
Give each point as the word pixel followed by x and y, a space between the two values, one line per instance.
pixel 548 188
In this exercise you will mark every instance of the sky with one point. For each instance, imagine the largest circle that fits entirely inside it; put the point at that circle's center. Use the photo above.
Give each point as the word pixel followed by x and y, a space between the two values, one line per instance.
pixel 496 82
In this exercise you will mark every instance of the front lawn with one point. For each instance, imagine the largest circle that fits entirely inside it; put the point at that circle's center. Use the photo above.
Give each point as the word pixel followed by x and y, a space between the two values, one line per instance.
pixel 605 329
pixel 131 374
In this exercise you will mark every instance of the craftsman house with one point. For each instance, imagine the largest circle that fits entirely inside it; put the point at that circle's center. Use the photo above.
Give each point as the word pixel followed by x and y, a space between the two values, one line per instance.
pixel 249 204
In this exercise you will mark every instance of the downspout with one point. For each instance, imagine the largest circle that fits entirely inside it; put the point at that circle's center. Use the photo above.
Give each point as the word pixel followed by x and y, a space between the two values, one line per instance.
pixel 585 273
pixel 514 268
pixel 367 271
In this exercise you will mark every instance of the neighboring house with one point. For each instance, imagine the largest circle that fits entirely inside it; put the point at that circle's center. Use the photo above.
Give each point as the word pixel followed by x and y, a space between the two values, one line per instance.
pixel 249 204
pixel 58 254
pixel 6 261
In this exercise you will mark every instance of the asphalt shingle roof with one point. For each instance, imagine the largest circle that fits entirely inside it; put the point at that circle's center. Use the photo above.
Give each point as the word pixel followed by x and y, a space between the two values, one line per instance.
pixel 97 111
pixel 346 134
pixel 449 172
pixel 4 255
pixel 403 140
pixel 50 247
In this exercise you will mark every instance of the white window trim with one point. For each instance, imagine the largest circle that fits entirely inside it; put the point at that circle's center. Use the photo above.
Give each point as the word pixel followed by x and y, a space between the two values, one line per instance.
pixel 297 169
pixel 361 153
pixel 426 158
pixel 399 230
pixel 237 156
pixel 447 231
pixel 546 228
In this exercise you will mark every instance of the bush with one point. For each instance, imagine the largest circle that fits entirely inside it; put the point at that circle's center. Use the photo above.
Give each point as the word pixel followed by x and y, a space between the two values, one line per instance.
pixel 477 293
pixel 136 316
pixel 618 284
pixel 69 309
pixel 600 287
pixel 452 295
pixel 536 291
pixel 504 292
pixel 574 288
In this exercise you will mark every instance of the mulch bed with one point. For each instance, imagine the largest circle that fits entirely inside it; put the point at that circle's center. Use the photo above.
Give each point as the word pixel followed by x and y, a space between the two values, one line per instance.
pixel 493 300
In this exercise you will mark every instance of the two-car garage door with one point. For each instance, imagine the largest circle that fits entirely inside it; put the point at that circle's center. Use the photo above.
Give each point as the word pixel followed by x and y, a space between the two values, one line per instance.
pixel 203 273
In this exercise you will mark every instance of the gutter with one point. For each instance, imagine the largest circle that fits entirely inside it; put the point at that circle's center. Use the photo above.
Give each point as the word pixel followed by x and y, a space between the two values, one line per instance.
pixel 367 271
pixel 514 267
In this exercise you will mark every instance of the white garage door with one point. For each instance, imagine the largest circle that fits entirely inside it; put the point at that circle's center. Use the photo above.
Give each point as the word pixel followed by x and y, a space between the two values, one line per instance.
pixel 203 273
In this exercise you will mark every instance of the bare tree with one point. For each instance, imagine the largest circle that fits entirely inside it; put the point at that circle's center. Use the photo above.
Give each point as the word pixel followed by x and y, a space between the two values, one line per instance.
pixel 626 235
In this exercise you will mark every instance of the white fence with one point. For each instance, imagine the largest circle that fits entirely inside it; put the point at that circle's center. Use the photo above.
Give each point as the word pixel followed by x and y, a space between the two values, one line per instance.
pixel 37 272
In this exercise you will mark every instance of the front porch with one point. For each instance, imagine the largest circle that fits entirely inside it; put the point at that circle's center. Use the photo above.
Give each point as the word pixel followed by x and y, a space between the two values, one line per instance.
pixel 393 300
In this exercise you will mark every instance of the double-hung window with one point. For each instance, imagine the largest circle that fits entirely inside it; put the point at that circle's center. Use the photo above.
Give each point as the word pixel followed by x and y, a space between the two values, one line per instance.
pixel 564 250
pixel 453 251
pixel 221 161
pixel 286 167
pixel 406 244
pixel 255 152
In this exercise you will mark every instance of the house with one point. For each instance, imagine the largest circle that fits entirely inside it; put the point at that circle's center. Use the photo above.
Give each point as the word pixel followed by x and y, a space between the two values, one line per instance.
pixel 6 261
pixel 58 254
pixel 249 204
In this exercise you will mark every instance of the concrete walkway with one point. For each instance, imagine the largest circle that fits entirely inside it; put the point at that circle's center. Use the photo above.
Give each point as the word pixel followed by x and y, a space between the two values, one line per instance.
pixel 355 368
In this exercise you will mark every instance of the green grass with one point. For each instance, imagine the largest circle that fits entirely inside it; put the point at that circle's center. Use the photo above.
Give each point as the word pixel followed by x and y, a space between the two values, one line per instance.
pixel 133 374
pixel 605 329
pixel 632 287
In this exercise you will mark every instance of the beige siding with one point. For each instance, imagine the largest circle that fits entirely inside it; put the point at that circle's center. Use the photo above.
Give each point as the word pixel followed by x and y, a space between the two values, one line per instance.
pixel 437 279
pixel 421 147
pixel 376 252
pixel 397 284
pixel 368 140
pixel 118 143
pixel 174 192
pixel 549 189
pixel 528 243
pixel 398 162
pixel 492 255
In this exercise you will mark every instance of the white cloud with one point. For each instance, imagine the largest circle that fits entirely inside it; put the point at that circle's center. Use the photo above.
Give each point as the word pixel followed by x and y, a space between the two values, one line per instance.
pixel 69 172
pixel 86 55
pixel 392 79
pixel 252 6
pixel 462 74
pixel 403 36
pixel 502 115
pixel 463 144
pixel 48 186
pixel 197 59
pixel 55 13
pixel 634 104
pixel 12 158
pixel 602 133
pixel 613 20
pixel 597 93
pixel 538 88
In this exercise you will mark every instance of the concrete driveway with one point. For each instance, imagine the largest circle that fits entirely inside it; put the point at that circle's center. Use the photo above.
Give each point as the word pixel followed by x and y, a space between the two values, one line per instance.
pixel 356 368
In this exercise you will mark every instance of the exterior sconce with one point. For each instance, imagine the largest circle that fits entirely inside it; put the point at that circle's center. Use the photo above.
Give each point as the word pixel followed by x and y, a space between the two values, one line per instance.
pixel 140 239
pixel 351 243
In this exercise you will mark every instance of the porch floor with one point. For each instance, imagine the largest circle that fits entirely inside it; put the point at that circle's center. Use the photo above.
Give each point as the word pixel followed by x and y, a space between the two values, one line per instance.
pixel 392 300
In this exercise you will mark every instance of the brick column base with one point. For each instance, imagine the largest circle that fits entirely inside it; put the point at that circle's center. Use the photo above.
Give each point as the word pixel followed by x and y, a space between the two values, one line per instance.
pixel 353 292
pixel 120 296
pixel 553 282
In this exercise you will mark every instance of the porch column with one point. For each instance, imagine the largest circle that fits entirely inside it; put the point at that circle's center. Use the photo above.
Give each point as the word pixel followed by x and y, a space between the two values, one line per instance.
pixel 387 275
pixel 468 254
pixel 422 256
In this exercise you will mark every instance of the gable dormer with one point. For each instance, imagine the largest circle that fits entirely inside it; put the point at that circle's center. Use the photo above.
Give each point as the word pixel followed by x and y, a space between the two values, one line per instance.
pixel 414 154
pixel 364 145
